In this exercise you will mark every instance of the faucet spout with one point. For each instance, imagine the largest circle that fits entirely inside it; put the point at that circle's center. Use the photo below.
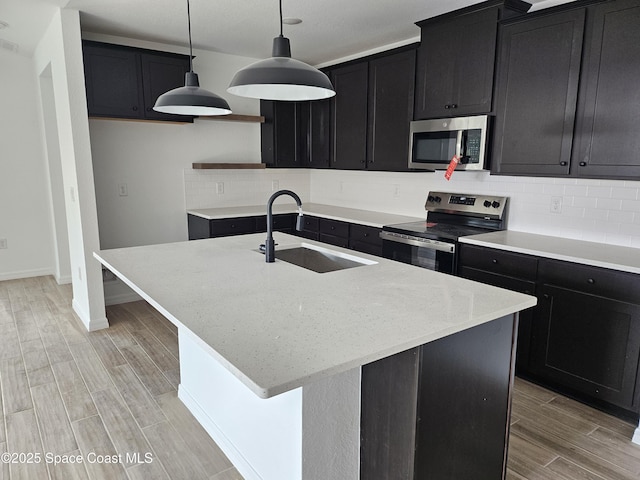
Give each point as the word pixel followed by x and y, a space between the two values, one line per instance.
pixel 269 244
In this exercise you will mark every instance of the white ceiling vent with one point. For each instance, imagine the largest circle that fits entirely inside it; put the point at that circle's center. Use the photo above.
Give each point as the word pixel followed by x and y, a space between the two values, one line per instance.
pixel 7 45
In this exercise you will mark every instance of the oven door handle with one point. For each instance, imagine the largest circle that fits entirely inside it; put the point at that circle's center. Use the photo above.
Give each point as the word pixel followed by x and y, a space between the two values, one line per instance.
pixel 418 242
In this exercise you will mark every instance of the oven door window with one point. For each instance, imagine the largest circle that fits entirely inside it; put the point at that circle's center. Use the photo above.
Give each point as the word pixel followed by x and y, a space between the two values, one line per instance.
pixel 419 256
pixel 434 147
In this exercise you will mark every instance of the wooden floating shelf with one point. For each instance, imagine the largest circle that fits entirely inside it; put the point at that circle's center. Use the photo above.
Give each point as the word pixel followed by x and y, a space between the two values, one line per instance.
pixel 228 166
pixel 235 118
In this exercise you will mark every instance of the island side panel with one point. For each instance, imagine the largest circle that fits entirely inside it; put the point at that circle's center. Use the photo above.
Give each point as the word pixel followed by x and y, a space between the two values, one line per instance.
pixel 464 403
pixel 261 437
pixel 388 416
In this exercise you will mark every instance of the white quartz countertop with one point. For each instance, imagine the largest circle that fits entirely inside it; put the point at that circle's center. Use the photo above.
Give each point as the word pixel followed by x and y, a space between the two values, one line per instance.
pixel 352 215
pixel 279 326
pixel 625 259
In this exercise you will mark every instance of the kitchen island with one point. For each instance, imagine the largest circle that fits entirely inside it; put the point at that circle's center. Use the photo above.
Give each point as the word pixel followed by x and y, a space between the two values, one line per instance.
pixel 272 355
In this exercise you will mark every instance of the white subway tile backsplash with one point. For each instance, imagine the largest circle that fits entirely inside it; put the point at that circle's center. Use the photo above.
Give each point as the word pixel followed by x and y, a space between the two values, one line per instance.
pixel 605 211
pixel 609 204
pixel 600 192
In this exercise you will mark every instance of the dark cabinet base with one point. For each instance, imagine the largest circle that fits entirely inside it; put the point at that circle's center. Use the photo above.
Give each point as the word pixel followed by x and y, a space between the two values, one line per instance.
pixel 444 416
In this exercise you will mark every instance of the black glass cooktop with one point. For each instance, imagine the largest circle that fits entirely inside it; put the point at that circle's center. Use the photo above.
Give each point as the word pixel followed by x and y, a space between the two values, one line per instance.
pixel 435 230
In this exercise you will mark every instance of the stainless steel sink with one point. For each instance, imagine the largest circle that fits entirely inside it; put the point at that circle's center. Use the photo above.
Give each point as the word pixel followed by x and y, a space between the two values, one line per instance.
pixel 320 260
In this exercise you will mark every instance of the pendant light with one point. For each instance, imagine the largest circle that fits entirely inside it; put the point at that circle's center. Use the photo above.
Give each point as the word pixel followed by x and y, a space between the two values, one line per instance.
pixel 281 77
pixel 191 99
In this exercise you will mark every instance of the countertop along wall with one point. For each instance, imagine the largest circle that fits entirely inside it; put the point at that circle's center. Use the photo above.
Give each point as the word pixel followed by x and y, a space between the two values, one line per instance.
pixel 604 211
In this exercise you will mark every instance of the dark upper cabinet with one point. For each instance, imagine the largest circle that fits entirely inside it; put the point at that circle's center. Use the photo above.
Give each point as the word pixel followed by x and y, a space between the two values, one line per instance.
pixel 161 73
pixel 111 77
pixel 124 82
pixel 371 112
pixel 608 134
pixel 536 94
pixel 454 74
pixel 391 88
pixel 279 134
pixel 349 116
pixel 295 134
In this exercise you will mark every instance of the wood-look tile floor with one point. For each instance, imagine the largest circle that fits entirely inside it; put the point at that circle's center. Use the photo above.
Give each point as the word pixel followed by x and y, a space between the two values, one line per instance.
pixel 110 399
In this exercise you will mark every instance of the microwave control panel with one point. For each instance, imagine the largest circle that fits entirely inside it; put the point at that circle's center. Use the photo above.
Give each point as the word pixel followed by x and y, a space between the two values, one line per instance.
pixel 472 142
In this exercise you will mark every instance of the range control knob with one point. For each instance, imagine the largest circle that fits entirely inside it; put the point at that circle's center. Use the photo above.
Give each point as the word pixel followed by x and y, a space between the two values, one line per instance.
pixel 438 199
pixel 487 203
pixel 430 198
pixel 495 204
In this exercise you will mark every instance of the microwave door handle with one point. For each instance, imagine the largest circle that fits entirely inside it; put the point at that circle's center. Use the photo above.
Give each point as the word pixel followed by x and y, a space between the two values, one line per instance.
pixel 459 145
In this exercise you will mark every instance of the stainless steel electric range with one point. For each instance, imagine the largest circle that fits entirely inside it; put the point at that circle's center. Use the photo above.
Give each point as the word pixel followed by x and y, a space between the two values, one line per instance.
pixel 433 243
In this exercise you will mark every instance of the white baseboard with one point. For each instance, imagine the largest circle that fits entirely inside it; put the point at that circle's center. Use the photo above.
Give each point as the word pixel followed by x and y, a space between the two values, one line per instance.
pixel 63 280
pixel 636 436
pixel 90 324
pixel 39 272
pixel 233 454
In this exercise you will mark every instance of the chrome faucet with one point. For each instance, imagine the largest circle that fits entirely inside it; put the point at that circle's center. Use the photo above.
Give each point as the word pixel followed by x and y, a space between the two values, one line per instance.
pixel 269 244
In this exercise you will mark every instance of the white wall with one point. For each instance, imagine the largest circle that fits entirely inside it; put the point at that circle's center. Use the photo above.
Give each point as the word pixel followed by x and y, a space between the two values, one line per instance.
pixel 59 56
pixel 25 220
pixel 151 157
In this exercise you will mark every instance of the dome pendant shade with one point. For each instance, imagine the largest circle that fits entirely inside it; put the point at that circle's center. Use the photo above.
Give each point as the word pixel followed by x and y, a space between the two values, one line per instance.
pixel 191 100
pixel 281 78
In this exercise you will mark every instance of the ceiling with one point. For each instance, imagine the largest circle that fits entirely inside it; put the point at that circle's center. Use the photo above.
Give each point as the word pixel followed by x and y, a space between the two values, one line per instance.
pixel 330 29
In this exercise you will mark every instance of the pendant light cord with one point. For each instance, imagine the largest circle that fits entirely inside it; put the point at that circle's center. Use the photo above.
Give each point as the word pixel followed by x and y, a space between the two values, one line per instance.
pixel 190 47
pixel 281 19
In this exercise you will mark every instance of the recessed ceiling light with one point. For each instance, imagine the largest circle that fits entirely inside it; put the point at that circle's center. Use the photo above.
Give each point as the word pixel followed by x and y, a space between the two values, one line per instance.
pixel 3 25
pixel 291 21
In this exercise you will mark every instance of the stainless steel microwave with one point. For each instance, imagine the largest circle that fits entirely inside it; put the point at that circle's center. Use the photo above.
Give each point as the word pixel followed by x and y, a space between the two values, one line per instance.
pixel 433 143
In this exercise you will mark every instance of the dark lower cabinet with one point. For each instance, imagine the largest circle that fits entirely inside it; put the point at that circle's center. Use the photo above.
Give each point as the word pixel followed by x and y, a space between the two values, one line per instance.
pixel 333 232
pixel 583 337
pixel 200 228
pixel 442 410
pixel 361 238
pixel 512 271
pixel 586 335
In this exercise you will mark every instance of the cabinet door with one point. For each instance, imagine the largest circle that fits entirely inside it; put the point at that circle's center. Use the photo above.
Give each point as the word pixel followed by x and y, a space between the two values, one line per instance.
pixel 608 139
pixel 588 344
pixel 318 133
pixel 349 115
pixel 455 65
pixel 159 75
pixel 536 94
pixel 112 82
pixel 391 87
pixel 279 134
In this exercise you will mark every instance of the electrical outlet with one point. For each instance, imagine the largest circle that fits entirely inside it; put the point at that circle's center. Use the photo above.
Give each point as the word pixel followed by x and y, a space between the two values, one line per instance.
pixel 219 188
pixel 123 190
pixel 275 185
pixel 72 194
pixel 3 243
pixel 396 191
pixel 556 204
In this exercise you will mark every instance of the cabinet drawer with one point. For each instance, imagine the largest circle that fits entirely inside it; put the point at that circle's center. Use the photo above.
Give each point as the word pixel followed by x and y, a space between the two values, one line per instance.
pixel 602 282
pixel 283 222
pixel 365 234
pixel 310 224
pixel 334 228
pixel 498 261
pixel 232 226
pixel 334 240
